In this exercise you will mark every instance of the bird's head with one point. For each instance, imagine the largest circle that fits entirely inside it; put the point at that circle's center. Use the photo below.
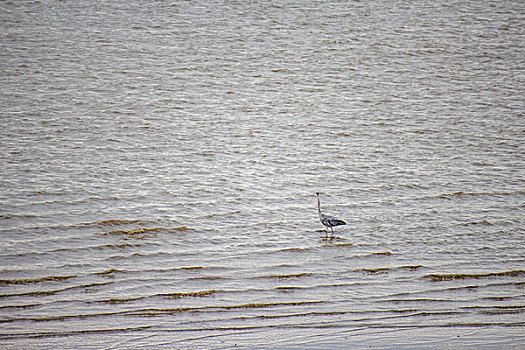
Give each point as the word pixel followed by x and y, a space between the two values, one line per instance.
pixel 317 193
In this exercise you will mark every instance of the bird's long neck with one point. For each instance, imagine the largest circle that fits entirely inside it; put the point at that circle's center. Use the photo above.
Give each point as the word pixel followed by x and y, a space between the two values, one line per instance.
pixel 319 205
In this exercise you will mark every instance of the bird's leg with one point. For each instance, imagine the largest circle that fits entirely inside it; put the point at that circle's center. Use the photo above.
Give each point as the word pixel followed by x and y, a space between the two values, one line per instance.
pixel 332 231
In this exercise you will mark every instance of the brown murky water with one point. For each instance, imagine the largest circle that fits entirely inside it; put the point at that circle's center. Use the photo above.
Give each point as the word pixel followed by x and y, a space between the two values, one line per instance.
pixel 160 161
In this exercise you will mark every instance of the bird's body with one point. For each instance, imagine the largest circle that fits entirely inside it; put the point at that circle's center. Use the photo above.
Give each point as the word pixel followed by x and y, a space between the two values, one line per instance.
pixel 328 221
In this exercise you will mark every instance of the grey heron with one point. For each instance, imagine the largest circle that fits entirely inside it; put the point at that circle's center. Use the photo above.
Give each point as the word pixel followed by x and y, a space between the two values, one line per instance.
pixel 328 221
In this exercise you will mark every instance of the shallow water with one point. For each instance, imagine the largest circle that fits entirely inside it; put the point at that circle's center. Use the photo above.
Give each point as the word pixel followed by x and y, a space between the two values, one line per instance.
pixel 160 162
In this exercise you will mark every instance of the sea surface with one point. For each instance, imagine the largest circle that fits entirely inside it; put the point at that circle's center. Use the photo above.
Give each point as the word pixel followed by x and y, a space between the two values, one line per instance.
pixel 159 163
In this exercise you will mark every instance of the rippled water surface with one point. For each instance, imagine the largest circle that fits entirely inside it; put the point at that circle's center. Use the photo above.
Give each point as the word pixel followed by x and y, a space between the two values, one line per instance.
pixel 160 161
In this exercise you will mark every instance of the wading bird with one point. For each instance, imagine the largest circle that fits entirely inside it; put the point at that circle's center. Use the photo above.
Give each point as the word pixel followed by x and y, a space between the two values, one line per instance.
pixel 328 221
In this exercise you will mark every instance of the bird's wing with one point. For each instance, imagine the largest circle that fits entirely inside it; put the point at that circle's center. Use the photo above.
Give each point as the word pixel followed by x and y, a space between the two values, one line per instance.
pixel 337 222
pixel 332 220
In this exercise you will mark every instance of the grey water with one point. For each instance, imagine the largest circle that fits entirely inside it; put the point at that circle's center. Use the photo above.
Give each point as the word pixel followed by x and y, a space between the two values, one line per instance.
pixel 159 163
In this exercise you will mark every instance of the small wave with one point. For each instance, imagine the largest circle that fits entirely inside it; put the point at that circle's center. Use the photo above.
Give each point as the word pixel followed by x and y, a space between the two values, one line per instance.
pixel 435 313
pixel 137 255
pixel 111 272
pixel 178 229
pixel 199 294
pixel 178 268
pixel 191 268
pixel 142 231
pixel 108 272
pixel 288 289
pixel 497 309
pixel 112 222
pixel 409 296
pixel 287 276
pixel 208 278
pixel 114 301
pixel 171 311
pixel 100 247
pixel 455 276
pixel 450 195
pixel 500 298
pixel 294 249
pixel 25 306
pixel 133 232
pixel 34 293
pixel 481 222
pixel 376 270
pixel 71 333
pixel 410 267
pixel 54 291
pixel 165 311
pixel 379 270
pixel 413 300
pixel 459 194
pixel 268 305
pixel 221 214
pixel 501 312
pixel 35 280
pixel 382 253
